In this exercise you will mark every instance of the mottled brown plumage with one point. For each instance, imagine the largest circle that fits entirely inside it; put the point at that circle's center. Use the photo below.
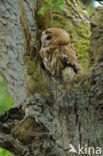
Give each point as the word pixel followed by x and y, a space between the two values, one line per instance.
pixel 58 55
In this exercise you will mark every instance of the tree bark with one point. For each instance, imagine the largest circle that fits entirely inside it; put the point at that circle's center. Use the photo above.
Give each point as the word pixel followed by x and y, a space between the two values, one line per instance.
pixel 36 126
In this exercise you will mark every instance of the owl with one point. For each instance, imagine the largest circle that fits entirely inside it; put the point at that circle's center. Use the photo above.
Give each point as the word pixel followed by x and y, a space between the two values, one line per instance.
pixel 58 56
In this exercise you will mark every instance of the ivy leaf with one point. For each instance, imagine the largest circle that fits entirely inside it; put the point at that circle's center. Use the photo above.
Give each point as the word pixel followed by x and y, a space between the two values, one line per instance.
pixel 43 10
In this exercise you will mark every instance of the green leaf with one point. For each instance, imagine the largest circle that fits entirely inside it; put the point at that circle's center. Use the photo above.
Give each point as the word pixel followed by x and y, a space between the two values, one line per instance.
pixel 89 11
pixel 6 101
pixel 60 1
pixel 49 2
pixel 4 152
pixel 59 7
pixel 43 10
pixel 1 79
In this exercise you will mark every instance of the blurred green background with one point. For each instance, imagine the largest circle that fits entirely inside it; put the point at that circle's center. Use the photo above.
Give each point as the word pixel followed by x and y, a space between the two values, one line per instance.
pixel 4 152
pixel 6 102
pixel 91 4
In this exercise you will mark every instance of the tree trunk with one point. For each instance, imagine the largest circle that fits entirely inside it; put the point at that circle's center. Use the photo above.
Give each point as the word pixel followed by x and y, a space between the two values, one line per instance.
pixel 37 125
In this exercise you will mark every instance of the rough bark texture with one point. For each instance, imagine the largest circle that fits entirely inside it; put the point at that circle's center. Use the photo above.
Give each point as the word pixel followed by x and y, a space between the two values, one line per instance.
pixel 34 76
pixel 12 46
pixel 75 117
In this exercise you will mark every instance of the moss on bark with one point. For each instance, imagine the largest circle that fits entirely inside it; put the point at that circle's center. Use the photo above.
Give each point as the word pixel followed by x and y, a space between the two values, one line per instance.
pixel 74 19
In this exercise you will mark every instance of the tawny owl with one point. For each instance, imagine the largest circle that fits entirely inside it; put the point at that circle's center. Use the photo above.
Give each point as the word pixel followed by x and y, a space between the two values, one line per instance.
pixel 58 55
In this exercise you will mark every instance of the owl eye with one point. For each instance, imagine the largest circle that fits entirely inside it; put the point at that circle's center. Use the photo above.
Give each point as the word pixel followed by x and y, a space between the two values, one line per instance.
pixel 49 37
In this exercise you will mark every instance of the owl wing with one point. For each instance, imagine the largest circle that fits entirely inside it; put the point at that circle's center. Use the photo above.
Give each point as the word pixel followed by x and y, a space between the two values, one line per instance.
pixel 69 56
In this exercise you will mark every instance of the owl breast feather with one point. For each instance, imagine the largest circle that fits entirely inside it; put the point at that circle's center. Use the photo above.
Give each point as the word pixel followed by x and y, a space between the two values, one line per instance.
pixel 52 61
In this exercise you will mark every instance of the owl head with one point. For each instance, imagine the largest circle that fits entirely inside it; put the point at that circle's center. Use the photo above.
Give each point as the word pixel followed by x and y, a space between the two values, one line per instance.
pixel 54 36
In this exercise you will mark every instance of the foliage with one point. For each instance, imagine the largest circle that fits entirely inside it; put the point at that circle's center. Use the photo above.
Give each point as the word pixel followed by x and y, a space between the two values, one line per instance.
pixel 59 5
pixel 4 152
pixel 6 101
pixel 89 11
pixel 49 5
pixel 100 1
pixel 90 5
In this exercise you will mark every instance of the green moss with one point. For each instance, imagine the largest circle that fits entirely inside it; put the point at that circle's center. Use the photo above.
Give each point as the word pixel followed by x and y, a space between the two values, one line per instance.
pixel 82 49
pixel 79 35
pixel 77 27
pixel 59 20
pixel 30 67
